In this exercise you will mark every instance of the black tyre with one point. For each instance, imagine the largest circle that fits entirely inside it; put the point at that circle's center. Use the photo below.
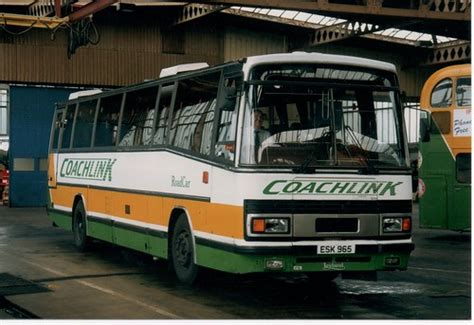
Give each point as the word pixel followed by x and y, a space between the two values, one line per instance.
pixel 81 240
pixel 182 252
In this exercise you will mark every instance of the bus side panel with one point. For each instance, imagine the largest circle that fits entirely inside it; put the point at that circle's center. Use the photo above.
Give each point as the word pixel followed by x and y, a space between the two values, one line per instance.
pixel 61 219
pixel 97 228
pixel 433 205
pixel 62 200
pixel 461 207
pixel 127 207
pixel 157 240
pixel 437 172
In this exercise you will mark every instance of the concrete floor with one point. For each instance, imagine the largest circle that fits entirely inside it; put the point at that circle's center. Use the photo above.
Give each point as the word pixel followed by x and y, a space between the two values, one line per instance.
pixel 45 276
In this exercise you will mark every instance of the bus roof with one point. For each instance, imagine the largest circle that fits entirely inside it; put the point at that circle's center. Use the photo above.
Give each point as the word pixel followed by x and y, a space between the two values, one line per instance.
pixel 452 71
pixel 316 58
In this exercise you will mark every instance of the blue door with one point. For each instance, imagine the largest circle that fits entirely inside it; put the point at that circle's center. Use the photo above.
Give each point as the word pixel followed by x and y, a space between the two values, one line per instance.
pixel 31 114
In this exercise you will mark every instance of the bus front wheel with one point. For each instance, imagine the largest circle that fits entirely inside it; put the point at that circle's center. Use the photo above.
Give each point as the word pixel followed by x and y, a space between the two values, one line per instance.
pixel 81 240
pixel 182 252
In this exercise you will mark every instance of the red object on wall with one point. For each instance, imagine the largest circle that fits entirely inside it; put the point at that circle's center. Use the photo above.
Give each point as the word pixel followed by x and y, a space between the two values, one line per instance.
pixel 4 176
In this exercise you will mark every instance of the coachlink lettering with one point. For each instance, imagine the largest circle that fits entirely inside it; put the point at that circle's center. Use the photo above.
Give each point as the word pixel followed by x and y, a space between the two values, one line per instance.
pixel 282 187
pixel 99 169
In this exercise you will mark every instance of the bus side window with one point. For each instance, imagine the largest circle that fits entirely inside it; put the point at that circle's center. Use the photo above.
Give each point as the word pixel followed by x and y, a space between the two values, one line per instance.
pixel 137 119
pixel 68 124
pixel 84 124
pixel 107 121
pixel 164 104
pixel 193 114
pixel 463 168
pixel 463 92
pixel 441 96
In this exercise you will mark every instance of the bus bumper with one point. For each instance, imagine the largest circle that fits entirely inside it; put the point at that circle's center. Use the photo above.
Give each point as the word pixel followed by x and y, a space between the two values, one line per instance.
pixel 378 257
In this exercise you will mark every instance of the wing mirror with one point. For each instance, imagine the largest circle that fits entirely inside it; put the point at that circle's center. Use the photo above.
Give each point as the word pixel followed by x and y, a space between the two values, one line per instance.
pixel 425 126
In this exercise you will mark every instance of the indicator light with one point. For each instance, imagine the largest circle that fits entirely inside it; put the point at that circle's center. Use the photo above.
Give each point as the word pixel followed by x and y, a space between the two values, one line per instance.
pixel 271 225
pixel 258 225
pixel 406 226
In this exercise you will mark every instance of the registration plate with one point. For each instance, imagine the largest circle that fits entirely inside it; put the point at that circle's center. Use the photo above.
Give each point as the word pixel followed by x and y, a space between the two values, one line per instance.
pixel 336 248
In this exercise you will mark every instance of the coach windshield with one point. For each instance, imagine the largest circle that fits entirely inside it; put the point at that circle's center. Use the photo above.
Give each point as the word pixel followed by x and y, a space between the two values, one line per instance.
pixel 304 116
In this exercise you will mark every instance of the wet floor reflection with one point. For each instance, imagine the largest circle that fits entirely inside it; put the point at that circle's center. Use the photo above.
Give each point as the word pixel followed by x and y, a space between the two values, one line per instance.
pixel 357 287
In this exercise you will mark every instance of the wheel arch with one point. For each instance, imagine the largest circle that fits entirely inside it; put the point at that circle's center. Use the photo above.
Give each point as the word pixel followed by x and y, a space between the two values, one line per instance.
pixel 177 212
pixel 78 198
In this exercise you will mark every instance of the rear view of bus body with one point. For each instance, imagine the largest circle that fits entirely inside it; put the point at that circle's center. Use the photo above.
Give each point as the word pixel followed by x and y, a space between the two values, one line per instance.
pixel 445 150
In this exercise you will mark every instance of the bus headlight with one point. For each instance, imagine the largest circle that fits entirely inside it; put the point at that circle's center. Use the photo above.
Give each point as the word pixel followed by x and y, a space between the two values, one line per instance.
pixel 270 225
pixel 397 224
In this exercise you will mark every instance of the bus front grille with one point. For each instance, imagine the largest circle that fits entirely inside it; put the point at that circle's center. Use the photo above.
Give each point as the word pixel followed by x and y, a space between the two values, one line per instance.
pixel 338 225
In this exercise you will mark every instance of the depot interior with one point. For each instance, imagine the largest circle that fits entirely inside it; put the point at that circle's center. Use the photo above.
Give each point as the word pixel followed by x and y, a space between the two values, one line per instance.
pixel 50 49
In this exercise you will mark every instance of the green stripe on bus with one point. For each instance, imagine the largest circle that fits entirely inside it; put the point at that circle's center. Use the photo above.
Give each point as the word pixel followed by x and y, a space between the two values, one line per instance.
pixel 61 219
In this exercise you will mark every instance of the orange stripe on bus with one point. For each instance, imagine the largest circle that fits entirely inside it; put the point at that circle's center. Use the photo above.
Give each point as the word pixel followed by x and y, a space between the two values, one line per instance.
pixel 213 218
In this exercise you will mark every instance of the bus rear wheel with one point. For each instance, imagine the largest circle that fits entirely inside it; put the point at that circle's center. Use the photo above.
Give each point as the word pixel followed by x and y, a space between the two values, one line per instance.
pixel 182 252
pixel 81 240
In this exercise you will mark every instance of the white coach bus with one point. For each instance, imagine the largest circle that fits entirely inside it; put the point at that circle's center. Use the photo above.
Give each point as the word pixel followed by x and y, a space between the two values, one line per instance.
pixel 275 163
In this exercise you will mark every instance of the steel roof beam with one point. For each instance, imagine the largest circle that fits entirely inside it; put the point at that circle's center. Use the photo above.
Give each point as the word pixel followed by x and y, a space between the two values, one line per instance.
pixel 44 8
pixel 316 27
pixel 278 20
pixel 90 9
pixel 194 11
pixel 7 19
pixel 448 53
pixel 342 31
pixel 453 10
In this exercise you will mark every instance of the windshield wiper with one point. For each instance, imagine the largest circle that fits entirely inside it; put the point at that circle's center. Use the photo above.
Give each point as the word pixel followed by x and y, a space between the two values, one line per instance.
pixel 369 167
pixel 303 168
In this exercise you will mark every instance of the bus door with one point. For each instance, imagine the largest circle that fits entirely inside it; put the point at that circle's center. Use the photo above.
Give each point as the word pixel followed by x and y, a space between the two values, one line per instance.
pixel 52 162
pixel 458 219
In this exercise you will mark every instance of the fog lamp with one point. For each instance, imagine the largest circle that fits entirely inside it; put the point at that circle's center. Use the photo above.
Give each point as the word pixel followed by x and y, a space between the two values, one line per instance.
pixel 392 261
pixel 274 264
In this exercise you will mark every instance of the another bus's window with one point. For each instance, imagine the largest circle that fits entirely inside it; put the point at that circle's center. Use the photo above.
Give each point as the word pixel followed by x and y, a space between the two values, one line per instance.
pixel 137 119
pixel 193 115
pixel 68 125
pixel 442 94
pixel 463 92
pixel 57 127
pixel 107 121
pixel 463 168
pixel 443 120
pixel 84 124
pixel 166 95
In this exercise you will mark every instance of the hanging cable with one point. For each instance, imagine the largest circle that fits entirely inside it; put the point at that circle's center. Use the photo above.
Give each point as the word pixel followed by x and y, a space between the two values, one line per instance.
pixel 80 34
pixel 4 25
